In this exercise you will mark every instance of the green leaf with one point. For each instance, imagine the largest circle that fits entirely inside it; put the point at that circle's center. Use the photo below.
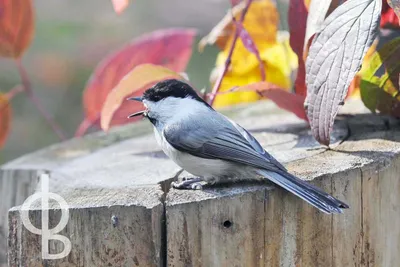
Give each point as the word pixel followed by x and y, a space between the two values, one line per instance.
pixel 382 93
pixel 369 93
pixel 377 58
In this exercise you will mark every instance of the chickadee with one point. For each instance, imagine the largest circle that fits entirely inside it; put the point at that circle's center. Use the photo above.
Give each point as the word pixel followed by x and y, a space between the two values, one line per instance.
pixel 215 149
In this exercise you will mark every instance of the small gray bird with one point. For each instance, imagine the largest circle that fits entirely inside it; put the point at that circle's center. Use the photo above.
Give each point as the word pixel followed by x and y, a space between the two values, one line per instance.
pixel 214 148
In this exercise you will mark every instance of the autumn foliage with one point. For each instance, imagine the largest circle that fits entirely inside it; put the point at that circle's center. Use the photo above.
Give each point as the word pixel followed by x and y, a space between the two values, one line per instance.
pixel 16 27
pixel 329 54
pixel 5 117
pixel 170 48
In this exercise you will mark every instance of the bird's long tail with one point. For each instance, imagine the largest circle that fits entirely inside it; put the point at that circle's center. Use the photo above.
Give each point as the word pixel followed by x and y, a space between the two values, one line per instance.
pixel 306 191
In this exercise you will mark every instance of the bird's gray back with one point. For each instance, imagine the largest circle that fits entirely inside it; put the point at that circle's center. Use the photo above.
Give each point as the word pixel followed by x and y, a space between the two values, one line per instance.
pixel 208 134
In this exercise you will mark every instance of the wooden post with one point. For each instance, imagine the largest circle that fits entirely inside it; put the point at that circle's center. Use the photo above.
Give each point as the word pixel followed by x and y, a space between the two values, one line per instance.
pixel 123 228
pixel 245 224
pixel 19 178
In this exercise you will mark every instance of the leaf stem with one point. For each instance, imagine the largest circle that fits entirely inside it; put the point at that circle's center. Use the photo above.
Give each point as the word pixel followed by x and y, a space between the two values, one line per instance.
pixel 15 91
pixel 85 125
pixel 27 86
pixel 229 58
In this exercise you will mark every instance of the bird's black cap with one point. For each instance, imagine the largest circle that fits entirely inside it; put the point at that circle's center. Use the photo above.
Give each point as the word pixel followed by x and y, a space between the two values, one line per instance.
pixel 171 88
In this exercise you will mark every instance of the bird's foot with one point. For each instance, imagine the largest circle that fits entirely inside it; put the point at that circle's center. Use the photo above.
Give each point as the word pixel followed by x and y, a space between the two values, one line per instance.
pixel 192 184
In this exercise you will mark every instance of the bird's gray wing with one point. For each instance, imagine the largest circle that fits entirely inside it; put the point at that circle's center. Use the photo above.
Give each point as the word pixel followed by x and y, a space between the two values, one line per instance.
pixel 255 144
pixel 222 141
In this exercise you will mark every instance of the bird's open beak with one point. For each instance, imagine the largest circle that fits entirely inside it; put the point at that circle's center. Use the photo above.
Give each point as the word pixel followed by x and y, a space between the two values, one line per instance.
pixel 140 99
pixel 137 114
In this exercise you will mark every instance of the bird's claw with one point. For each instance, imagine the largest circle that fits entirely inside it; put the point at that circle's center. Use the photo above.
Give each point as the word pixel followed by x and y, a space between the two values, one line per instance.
pixel 192 184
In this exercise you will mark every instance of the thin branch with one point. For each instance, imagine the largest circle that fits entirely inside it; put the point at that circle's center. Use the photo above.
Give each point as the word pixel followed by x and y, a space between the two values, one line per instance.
pixel 10 95
pixel 262 67
pixel 236 89
pixel 229 58
pixel 250 45
pixel 232 90
pixel 28 90
pixel 15 91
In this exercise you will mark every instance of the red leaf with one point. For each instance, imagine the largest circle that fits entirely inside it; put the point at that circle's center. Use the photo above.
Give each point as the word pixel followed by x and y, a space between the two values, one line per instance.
pixel 116 109
pixel 5 118
pixel 297 27
pixel 171 48
pixel 16 27
pixel 120 5
pixel 300 83
pixel 389 18
pixel 282 98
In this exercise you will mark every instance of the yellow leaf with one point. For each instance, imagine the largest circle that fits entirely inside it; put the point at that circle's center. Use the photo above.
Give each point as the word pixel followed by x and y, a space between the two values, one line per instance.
pixel 282 57
pixel 307 3
pixel 279 61
pixel 261 22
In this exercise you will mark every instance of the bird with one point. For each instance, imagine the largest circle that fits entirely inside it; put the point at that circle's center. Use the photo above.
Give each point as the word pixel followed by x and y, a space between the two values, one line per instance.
pixel 214 148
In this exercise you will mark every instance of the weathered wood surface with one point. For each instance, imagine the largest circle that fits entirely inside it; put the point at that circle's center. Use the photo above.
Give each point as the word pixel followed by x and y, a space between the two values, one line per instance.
pixel 268 227
pixel 238 225
pixel 120 228
pixel 104 161
pixel 18 179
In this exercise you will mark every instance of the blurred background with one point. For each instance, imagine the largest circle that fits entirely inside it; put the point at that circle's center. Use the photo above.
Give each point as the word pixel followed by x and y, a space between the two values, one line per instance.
pixel 72 37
